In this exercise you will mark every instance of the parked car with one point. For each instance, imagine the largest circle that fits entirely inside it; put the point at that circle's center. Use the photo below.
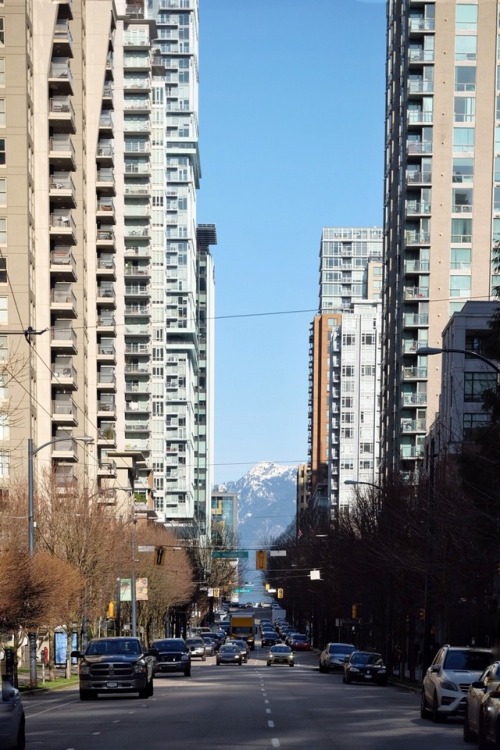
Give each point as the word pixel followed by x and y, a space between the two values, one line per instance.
pixel 243 647
pixel 229 653
pixel 115 665
pixel 365 666
pixel 334 655
pixel 488 682
pixel 172 655
pixel 489 721
pixel 196 646
pixel 280 654
pixel 447 680
pixel 12 720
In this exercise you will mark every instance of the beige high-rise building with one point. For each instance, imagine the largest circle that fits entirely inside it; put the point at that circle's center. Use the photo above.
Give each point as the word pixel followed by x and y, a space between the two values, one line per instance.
pixel 442 197
pixel 106 285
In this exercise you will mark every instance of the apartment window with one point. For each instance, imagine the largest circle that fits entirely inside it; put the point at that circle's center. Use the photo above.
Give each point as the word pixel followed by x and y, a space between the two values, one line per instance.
pixel 348 371
pixel 4 315
pixel 476 383
pixel 4 426
pixel 348 339
pixel 465 78
pixel 462 200
pixel 368 339
pixel 460 258
pixel 365 465
pixel 366 448
pixel 347 402
pixel 496 199
pixel 460 286
pixel 3 191
pixel 367 370
pixel 461 230
pixel 465 48
pixel 346 433
pixel 465 109
pixel 4 464
pixel 463 140
pixel 466 18
pixel 2 32
pixel 472 422
pixel 463 169
pixel 3 231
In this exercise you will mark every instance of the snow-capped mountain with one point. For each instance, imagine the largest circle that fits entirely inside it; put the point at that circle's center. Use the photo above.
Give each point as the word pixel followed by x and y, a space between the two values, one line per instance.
pixel 267 501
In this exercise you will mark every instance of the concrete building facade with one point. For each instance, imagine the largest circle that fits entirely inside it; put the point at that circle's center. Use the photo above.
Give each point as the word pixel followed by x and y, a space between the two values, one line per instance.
pixel 442 198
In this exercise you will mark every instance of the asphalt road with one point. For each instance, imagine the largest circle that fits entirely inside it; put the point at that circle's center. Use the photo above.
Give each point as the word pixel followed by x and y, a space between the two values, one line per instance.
pixel 252 707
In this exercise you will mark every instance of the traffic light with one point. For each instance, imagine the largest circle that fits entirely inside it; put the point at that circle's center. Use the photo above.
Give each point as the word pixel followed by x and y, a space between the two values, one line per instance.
pixel 421 613
pixel 280 593
pixel 261 560
pixel 268 586
pixel 159 555
pixel 111 611
pixel 354 612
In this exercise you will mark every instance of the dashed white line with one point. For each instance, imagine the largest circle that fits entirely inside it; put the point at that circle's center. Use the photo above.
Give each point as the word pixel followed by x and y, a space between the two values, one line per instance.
pixel 268 711
pixel 275 742
pixel 270 724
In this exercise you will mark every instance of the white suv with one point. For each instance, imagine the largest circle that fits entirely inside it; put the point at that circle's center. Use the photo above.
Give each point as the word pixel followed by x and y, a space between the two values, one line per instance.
pixel 446 682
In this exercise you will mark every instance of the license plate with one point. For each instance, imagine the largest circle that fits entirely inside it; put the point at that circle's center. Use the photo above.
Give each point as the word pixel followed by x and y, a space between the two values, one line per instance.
pixel 111 684
pixel 368 676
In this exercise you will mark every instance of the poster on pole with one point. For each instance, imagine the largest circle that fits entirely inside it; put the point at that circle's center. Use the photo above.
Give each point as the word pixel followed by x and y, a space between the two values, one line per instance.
pixel 141 589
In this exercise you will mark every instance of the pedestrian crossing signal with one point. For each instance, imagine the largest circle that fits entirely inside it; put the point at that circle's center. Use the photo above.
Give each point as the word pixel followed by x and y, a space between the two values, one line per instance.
pixel 261 559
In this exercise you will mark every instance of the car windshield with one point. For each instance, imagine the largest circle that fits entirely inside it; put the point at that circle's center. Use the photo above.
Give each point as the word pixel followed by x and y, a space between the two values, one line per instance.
pixel 113 647
pixel 300 637
pixel 476 661
pixel 341 649
pixel 195 641
pixel 176 645
pixel 229 648
pixel 280 650
pixel 362 658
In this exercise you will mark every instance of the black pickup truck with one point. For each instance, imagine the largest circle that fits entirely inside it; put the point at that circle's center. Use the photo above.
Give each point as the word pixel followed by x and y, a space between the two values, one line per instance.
pixel 115 665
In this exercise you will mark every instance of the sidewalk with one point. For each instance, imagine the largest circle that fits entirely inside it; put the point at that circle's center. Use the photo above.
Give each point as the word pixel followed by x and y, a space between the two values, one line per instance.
pixel 43 681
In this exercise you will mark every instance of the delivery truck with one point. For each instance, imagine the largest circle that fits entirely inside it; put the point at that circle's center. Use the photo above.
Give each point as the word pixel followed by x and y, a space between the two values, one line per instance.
pixel 242 625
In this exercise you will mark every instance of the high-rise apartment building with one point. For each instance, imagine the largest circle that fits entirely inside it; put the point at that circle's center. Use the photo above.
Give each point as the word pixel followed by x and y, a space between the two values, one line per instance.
pixel 350 269
pixel 442 197
pixel 106 282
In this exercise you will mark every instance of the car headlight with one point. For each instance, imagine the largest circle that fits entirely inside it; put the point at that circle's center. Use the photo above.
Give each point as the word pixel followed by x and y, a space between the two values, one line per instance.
pixel 84 668
pixel 184 657
pixel 354 669
pixel 449 685
pixel 140 667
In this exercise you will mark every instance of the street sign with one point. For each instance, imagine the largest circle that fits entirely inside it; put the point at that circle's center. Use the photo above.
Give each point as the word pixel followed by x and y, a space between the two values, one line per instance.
pixel 145 548
pixel 231 554
pixel 278 553
pixel 242 591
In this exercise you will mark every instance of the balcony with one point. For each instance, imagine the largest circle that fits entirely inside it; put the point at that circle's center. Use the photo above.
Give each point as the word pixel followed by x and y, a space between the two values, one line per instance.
pixel 137 290
pixel 411 452
pixel 137 167
pixel 417 238
pixel 64 412
pixel 136 386
pixel 107 92
pixel 65 449
pixel 63 301
pixel 106 352
pixel 106 123
pixel 60 78
pixel 61 114
pixel 63 339
pixel 420 87
pixel 413 425
pixel 62 40
pixel 137 348
pixel 107 469
pixel 137 368
pixel 414 373
pixel 106 406
pixel 416 266
pixel 105 181
pixel 105 211
pixel 418 148
pixel 106 294
pixel 106 322
pixel 135 232
pixel 418 117
pixel 64 374
pixel 137 105
pixel 137 84
pixel 138 310
pixel 105 238
pixel 62 263
pixel 137 425
pixel 421 25
pixel 134 269
pixel 65 478
pixel 137 251
pixel 137 406
pixel 106 434
pixel 136 40
pixel 105 152
pixel 414 399
pixel 416 293
pixel 418 207
pixel 410 346
pixel 414 320
pixel 419 56
pixel 106 268
pixel 62 152
pixel 139 190
pixel 62 190
pixel 106 380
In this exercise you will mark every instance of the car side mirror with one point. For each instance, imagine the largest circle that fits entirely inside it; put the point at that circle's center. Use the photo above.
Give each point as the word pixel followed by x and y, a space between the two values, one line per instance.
pixel 76 655
pixel 479 684
pixel 434 668
pixel 494 694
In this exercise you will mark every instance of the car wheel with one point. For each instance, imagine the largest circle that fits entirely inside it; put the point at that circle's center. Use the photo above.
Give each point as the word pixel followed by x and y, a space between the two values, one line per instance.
pixel 436 716
pixel 151 688
pixel 203 658
pixel 144 692
pixel 321 668
pixel 468 736
pixel 187 673
pixel 21 737
pixel 85 695
pixel 482 742
pixel 268 663
pixel 423 707
pixel 292 664
pixel 348 679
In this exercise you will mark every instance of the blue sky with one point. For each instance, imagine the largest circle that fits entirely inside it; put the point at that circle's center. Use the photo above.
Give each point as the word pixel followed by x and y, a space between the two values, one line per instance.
pixel 291 140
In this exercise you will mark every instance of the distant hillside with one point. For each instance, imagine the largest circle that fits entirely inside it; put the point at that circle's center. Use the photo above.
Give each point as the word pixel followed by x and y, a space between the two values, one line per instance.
pixel 267 501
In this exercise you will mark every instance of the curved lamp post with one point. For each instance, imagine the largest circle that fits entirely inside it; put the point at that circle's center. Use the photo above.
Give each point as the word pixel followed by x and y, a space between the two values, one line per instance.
pixel 430 350
pixel 32 452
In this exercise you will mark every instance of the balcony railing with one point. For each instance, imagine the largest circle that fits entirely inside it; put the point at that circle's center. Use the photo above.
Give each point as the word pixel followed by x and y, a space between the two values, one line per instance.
pixel 413 425
pixel 412 373
pixel 418 207
pixel 64 335
pixel 413 399
pixel 416 266
pixel 419 177
pixel 415 292
pixel 416 319
pixel 64 408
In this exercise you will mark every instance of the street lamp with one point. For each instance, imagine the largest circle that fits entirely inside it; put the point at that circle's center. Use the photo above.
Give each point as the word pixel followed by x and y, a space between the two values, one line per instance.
pixel 32 452
pixel 430 350
pixel 354 482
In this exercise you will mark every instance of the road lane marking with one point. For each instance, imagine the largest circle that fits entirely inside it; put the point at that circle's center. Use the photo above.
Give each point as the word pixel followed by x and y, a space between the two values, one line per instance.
pixel 270 724
pixel 275 742
pixel 268 711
